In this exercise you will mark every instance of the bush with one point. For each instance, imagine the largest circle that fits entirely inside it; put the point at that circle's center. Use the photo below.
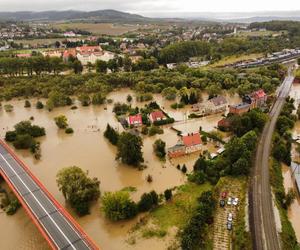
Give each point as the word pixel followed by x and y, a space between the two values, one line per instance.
pixel 118 206
pixel 8 108
pixel 13 206
pixel 164 122
pixel 184 169
pixel 197 177
pixel 147 201
pixel 27 104
pixel 10 136
pixel 155 130
pixel 69 131
pixel 61 121
pixel 177 105
pixel 168 194
pixel 159 147
pixel 39 105
pixel 84 99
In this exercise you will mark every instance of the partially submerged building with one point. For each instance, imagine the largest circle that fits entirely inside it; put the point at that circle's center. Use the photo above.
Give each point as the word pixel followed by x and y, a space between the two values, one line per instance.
pixel 187 144
pixel 256 99
pixel 212 106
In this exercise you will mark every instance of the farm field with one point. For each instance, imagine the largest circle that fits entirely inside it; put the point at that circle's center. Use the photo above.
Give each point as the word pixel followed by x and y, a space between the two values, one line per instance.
pixel 98 28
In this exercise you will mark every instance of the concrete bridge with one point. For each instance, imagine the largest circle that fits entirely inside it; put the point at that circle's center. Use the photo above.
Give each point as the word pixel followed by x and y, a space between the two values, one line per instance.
pixel 56 225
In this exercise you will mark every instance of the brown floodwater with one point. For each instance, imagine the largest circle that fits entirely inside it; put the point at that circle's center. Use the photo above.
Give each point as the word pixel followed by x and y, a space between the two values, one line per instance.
pixel 294 209
pixel 88 149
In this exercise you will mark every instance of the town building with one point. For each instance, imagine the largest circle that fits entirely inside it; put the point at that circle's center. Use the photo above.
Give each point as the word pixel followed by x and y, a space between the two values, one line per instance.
pixel 240 108
pixel 135 120
pixel 52 53
pixel 89 54
pixel 189 143
pixel 157 116
pixel 213 106
pixel 256 99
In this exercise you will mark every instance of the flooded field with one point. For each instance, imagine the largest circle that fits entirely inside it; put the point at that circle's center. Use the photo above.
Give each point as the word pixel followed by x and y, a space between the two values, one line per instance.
pixel 289 182
pixel 88 149
pixel 294 209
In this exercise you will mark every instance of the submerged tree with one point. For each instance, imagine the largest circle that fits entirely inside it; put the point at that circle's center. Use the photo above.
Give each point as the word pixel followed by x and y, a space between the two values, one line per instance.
pixel 77 188
pixel 130 149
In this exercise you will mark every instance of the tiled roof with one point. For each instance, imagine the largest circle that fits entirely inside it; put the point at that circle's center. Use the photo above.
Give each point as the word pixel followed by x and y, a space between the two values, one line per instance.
pixel 135 119
pixel 191 139
pixel 157 115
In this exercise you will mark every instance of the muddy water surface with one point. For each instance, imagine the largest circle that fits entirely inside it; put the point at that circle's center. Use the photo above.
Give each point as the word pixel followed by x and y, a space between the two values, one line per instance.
pixel 88 149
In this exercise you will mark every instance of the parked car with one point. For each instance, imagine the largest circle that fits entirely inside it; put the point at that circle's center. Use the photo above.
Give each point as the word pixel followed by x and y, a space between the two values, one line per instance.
pixel 222 203
pixel 229 225
pixel 230 217
pixel 224 195
pixel 235 201
pixel 229 201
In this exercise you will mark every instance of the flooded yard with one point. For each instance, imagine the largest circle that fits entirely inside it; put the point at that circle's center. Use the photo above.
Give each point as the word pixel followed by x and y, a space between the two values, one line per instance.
pixel 88 149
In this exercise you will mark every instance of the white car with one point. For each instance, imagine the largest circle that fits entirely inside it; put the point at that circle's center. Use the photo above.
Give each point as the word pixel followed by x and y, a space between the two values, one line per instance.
pixel 229 201
pixel 230 217
pixel 235 201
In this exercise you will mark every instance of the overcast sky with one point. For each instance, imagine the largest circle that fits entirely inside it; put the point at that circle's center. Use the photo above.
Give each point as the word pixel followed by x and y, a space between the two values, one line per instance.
pixel 152 6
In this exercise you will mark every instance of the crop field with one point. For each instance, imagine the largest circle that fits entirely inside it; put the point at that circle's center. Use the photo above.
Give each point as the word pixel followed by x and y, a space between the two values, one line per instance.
pixel 98 28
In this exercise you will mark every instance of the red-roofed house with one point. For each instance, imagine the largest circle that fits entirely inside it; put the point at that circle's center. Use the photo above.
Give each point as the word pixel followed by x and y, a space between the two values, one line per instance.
pixel 135 120
pixel 157 116
pixel 188 144
pixel 259 97
pixel 192 142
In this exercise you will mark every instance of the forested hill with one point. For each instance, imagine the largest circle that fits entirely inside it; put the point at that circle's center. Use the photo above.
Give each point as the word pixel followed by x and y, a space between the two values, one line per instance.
pixel 98 15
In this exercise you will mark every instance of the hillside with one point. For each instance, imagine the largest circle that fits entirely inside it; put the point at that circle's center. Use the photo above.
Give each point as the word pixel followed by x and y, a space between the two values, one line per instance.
pixel 99 15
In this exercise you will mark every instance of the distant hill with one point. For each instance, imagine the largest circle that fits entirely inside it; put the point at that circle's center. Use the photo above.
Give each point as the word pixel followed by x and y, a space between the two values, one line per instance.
pixel 118 16
pixel 99 15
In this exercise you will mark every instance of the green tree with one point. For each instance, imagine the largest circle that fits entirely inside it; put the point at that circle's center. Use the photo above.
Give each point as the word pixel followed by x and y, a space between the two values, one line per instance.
pixel 111 134
pixel 77 188
pixel 98 98
pixel 159 147
pixel 148 201
pixel 118 206
pixel 168 194
pixel 27 104
pixel 39 105
pixel 61 121
pixel 77 66
pixel 84 99
pixel 101 66
pixel 130 149
pixel 169 93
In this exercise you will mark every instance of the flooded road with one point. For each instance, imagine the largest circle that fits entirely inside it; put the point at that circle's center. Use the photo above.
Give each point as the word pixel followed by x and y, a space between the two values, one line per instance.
pixel 88 149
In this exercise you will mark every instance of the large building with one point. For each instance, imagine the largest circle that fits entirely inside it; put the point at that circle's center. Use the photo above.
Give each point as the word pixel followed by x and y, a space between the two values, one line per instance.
pixel 214 105
pixel 89 54
pixel 256 99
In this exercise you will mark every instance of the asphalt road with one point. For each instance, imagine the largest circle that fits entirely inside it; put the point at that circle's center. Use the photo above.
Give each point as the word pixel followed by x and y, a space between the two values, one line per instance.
pixel 58 228
pixel 262 220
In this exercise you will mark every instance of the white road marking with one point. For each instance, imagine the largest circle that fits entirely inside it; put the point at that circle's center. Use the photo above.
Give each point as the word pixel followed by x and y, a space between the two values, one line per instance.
pixel 59 229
